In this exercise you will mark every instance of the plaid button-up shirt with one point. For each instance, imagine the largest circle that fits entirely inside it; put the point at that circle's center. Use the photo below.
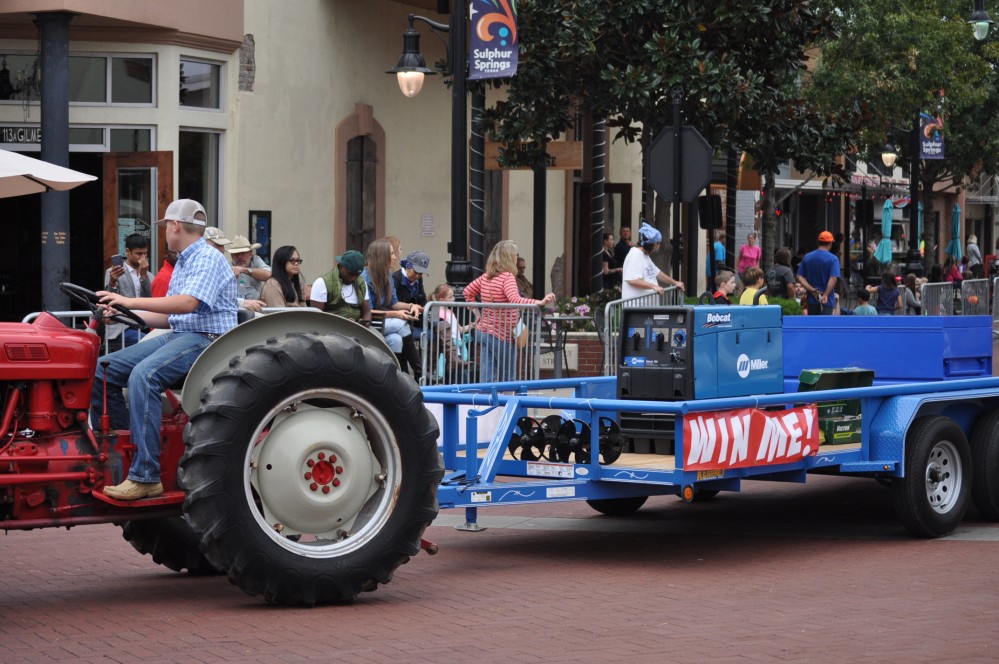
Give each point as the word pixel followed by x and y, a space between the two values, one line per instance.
pixel 204 273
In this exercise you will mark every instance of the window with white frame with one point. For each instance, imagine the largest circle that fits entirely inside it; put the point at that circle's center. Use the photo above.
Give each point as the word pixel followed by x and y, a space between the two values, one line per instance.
pixel 200 84
pixel 111 79
pixel 198 157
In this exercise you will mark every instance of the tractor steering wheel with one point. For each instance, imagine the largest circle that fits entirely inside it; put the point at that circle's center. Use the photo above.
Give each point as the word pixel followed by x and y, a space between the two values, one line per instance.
pixel 91 301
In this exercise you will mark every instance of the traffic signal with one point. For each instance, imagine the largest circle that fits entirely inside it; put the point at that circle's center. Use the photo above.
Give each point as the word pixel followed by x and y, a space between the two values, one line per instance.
pixel 778 211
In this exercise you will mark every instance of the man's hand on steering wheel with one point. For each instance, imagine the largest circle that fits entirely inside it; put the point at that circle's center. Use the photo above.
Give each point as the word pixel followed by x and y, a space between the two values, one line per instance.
pixel 100 303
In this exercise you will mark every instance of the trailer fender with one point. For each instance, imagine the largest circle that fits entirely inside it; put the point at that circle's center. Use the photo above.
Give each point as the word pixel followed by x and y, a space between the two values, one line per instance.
pixel 233 344
pixel 893 419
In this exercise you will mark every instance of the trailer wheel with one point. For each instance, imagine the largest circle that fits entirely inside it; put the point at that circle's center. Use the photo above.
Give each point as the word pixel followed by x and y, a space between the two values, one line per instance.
pixel 932 497
pixel 985 466
pixel 617 506
pixel 311 469
pixel 171 543
pixel 705 495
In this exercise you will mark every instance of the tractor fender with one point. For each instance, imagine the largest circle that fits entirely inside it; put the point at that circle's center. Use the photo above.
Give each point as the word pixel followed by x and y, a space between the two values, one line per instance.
pixel 233 344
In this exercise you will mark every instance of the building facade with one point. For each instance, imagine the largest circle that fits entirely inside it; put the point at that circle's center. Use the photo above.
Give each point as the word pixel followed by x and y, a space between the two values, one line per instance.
pixel 279 117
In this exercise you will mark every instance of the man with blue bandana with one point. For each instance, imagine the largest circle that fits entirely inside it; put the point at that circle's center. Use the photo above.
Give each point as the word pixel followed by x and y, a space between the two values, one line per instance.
pixel 640 275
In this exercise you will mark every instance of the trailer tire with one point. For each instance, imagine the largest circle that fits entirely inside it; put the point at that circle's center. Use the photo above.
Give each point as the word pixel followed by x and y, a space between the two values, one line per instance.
pixel 985 466
pixel 932 497
pixel 617 506
pixel 170 542
pixel 705 495
pixel 311 469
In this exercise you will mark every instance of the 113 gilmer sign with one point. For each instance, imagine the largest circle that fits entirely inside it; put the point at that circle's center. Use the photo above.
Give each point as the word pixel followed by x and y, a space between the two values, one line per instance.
pixel 493 46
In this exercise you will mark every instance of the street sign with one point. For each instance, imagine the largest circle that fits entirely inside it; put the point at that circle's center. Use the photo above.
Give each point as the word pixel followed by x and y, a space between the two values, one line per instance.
pixel 695 164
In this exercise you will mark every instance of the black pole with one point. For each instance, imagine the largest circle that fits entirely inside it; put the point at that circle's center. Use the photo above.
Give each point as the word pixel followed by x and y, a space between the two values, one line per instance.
pixel 54 29
pixel 731 182
pixel 676 99
pixel 598 205
pixel 540 197
pixel 914 262
pixel 477 183
pixel 458 270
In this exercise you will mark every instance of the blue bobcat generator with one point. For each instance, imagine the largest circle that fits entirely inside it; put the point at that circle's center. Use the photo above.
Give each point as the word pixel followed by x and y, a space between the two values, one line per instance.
pixel 694 352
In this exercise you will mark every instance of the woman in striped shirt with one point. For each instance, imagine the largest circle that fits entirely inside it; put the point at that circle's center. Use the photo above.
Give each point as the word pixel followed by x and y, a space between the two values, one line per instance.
pixel 494 331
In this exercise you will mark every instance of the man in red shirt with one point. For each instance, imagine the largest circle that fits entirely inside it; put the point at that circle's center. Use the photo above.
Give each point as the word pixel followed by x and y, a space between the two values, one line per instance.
pixel 161 282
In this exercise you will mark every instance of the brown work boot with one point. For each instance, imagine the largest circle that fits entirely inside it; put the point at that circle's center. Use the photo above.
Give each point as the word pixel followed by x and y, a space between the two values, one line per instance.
pixel 129 490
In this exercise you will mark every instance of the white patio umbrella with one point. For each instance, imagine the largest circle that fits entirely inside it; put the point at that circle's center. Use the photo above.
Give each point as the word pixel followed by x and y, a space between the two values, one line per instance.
pixel 20 175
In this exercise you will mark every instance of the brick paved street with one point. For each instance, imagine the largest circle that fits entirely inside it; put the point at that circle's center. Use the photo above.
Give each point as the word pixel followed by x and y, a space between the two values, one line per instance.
pixel 818 573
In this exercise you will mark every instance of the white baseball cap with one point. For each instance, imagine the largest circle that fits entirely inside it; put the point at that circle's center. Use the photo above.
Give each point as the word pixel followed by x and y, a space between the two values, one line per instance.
pixel 185 210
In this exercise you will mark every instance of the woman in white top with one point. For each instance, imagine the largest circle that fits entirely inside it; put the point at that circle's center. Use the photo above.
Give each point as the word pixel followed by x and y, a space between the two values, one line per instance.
pixel 640 275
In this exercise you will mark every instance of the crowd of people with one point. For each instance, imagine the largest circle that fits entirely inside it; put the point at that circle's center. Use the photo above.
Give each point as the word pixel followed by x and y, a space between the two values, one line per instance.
pixel 816 279
pixel 379 289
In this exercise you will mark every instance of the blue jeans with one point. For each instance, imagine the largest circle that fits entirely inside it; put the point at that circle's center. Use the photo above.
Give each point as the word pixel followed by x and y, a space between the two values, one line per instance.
pixel 496 358
pixel 394 329
pixel 146 369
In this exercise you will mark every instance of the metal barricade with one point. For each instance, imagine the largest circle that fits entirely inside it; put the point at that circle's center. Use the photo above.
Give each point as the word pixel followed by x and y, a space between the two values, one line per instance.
pixel 450 352
pixel 611 331
pixel 938 299
pixel 975 297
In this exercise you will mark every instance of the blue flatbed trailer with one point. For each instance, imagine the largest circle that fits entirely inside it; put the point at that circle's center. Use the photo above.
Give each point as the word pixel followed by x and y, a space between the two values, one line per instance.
pixel 936 441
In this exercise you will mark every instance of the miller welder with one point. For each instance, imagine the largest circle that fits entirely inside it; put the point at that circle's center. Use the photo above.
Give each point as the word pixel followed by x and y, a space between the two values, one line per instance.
pixel 683 353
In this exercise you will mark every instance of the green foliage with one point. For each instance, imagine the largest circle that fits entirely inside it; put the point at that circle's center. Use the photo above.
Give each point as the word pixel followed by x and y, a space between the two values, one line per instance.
pixel 896 57
pixel 788 306
pixel 586 306
pixel 739 63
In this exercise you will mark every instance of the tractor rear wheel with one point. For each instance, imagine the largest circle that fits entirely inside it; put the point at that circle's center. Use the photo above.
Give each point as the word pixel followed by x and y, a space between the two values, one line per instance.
pixel 311 469
pixel 171 543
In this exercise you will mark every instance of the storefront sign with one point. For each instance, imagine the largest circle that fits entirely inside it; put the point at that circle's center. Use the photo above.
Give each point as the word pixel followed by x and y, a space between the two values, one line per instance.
pixel 493 46
pixel 20 135
pixel 931 137
pixel 749 437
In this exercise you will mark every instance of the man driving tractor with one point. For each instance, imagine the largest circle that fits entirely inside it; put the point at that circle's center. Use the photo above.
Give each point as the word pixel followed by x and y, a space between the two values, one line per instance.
pixel 200 306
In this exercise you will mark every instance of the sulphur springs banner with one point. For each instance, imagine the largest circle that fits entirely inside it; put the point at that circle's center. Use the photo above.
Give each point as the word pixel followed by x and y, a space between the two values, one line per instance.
pixel 931 137
pixel 492 50
pixel 749 437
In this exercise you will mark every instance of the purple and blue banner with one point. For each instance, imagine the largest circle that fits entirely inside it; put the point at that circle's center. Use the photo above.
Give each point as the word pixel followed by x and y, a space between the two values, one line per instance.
pixel 492 50
pixel 931 137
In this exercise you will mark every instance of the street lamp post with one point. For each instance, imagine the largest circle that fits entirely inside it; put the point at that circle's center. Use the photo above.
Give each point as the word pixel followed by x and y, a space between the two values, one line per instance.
pixel 410 72
pixel 980 20
pixel 913 259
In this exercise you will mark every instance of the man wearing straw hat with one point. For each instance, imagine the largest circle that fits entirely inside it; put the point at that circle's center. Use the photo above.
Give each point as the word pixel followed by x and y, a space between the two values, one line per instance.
pixel 249 269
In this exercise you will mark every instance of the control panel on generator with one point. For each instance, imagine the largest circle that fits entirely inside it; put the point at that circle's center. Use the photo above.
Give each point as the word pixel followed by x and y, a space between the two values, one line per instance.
pixel 696 352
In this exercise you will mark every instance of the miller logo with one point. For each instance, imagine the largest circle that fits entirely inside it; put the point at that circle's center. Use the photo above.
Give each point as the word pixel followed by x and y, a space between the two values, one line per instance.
pixel 744 365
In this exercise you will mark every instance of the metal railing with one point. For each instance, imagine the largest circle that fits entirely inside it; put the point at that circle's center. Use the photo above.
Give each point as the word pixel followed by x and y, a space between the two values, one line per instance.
pixel 452 352
pixel 610 328
pixel 975 297
pixel 938 299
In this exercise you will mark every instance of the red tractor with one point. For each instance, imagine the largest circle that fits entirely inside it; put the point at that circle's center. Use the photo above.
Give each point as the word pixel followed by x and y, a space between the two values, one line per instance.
pixel 298 459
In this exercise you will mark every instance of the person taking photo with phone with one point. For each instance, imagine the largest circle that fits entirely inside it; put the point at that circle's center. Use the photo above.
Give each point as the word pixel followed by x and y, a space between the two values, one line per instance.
pixel 129 275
